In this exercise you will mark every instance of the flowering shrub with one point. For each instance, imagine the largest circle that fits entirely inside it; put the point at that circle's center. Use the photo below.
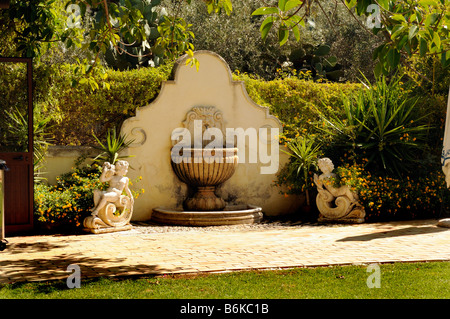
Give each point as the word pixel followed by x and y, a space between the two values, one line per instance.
pixel 388 198
pixel 69 201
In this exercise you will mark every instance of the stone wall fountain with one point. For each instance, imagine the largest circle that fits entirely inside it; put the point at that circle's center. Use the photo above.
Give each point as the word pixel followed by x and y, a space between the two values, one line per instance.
pixel 202 192
pixel 203 168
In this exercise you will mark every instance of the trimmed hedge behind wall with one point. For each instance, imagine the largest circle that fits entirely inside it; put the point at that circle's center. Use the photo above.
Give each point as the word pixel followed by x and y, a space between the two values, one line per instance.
pixel 77 112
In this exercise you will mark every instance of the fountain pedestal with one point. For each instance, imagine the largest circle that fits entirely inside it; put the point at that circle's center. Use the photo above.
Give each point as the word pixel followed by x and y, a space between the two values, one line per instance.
pixel 204 200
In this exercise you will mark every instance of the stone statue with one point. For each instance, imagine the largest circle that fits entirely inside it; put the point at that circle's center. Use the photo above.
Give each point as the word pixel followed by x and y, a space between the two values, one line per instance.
pixel 112 209
pixel 336 204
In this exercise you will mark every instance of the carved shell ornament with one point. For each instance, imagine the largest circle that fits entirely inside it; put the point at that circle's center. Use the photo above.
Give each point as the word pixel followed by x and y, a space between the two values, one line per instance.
pixel 114 214
pixel 209 115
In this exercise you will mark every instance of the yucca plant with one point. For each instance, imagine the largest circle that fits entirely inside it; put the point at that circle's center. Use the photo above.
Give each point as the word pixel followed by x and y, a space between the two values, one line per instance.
pixel 304 154
pixel 113 146
pixel 17 125
pixel 381 124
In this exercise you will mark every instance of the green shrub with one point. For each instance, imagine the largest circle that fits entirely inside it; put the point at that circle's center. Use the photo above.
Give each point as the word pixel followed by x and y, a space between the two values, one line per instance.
pixel 382 124
pixel 78 112
pixel 295 100
pixel 297 175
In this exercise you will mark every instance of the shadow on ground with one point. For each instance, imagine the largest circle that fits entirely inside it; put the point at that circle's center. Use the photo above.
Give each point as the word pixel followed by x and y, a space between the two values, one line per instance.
pixel 56 267
pixel 408 231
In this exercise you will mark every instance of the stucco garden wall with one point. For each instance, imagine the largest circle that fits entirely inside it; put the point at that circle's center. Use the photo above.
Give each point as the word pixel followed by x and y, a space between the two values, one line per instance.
pixel 152 127
pixel 154 124
pixel 61 159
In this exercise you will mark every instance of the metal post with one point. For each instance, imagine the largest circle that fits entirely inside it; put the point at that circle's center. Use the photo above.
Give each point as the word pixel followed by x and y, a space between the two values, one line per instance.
pixel 3 241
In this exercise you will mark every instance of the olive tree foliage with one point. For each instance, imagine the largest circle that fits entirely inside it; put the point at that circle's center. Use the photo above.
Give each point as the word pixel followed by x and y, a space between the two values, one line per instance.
pixel 351 45
pixel 142 30
pixel 134 28
pixel 235 37
pixel 410 28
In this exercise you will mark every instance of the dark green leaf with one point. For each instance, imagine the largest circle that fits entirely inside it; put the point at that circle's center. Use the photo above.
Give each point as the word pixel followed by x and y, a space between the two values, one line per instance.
pixel 423 47
pixel 322 50
pixel 266 26
pixel 283 36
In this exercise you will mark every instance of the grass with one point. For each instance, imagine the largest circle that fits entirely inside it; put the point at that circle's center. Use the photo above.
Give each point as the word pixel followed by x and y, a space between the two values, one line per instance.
pixel 397 281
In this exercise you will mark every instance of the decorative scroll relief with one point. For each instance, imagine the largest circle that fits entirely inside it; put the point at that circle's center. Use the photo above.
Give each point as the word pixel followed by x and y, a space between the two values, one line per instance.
pixel 204 124
pixel 336 204
pixel 139 131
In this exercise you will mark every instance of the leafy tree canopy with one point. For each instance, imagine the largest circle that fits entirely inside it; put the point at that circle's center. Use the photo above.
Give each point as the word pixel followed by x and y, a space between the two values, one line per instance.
pixel 143 30
pixel 134 28
pixel 410 27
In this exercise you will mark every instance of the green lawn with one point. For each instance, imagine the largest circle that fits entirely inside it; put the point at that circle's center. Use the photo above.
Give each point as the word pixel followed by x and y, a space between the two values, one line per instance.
pixel 399 280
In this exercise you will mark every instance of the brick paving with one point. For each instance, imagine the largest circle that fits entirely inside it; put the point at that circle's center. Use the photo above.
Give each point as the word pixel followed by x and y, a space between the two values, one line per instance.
pixel 134 252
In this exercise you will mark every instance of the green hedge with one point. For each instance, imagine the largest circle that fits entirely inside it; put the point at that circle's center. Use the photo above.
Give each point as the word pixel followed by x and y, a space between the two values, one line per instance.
pixel 295 101
pixel 77 112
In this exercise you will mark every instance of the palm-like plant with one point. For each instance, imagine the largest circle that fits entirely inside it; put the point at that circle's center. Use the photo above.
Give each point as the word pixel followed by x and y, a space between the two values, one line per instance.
pixel 17 125
pixel 304 153
pixel 113 146
pixel 382 125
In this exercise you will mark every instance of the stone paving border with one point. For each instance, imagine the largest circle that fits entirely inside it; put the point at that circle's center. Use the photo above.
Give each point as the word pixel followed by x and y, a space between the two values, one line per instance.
pixel 145 251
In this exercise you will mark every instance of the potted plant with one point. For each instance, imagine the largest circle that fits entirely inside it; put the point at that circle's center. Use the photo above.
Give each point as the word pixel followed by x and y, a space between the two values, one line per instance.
pixel 114 144
pixel 304 153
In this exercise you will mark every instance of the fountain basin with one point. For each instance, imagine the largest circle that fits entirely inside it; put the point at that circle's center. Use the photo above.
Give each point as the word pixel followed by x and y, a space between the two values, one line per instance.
pixel 204 169
pixel 230 215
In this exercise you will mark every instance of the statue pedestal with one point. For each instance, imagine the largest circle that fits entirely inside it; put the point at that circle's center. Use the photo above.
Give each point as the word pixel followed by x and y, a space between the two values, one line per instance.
pixel 444 222
pixel 104 230
pixel 356 216
pixel 110 219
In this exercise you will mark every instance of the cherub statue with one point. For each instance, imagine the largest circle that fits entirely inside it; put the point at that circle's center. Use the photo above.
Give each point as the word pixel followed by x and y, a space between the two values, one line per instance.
pixel 327 167
pixel 112 209
pixel 335 203
pixel 118 183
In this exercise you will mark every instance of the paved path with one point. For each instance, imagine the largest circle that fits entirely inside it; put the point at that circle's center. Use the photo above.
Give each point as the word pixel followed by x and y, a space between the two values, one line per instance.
pixel 134 252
